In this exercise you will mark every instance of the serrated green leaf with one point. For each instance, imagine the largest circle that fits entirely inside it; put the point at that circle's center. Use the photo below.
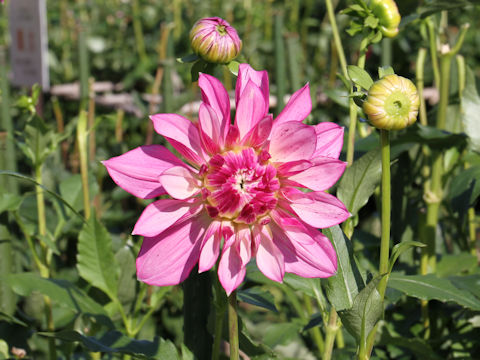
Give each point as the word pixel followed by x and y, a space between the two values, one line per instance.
pixel 61 292
pixel 342 288
pixel 365 312
pixel 399 249
pixel 114 342
pixel 127 279
pixel 430 287
pixel 359 181
pixel 359 76
pixel 95 260
pixel 431 136
pixel 258 297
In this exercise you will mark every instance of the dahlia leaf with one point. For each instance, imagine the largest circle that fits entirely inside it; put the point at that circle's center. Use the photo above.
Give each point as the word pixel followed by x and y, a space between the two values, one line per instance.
pixel 342 288
pixel 114 342
pixel 430 287
pixel 359 181
pixel 366 311
pixel 95 259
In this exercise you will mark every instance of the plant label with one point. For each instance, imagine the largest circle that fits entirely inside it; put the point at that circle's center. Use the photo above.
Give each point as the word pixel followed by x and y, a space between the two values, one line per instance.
pixel 29 51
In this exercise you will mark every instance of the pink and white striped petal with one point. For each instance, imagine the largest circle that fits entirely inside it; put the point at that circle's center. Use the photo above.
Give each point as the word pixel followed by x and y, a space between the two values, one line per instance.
pixel 292 141
pixel 180 183
pixel 182 134
pixel 324 173
pixel 137 171
pixel 298 107
pixel 260 133
pixel 168 258
pixel 250 109
pixel 329 140
pixel 161 214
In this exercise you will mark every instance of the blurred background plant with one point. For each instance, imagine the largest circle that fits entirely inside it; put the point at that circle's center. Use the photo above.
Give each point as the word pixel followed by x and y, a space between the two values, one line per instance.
pixel 68 286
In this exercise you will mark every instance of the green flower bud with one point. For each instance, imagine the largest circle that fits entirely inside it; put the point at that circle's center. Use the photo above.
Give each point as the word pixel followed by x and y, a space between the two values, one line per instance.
pixel 387 13
pixel 392 103
pixel 215 41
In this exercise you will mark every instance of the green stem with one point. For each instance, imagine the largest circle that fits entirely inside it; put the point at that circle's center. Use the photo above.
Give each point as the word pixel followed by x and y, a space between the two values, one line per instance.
pixel 336 37
pixel 386 210
pixel 420 66
pixel 82 151
pixel 233 326
pixel 433 50
pixel 280 66
pixel 138 32
pixel 331 331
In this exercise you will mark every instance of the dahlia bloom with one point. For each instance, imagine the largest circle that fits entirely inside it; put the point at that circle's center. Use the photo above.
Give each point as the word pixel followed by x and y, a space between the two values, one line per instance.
pixel 214 40
pixel 237 192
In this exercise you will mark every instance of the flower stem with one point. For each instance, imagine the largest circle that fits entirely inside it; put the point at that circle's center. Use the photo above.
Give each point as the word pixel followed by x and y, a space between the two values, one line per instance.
pixel 220 304
pixel 386 210
pixel 332 328
pixel 233 326
pixel 314 332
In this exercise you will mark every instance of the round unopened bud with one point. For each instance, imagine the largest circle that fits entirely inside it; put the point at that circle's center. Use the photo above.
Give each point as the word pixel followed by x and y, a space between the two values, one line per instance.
pixel 388 16
pixel 392 103
pixel 215 41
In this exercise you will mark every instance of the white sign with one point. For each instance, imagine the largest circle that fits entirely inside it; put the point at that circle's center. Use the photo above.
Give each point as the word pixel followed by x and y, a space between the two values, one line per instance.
pixel 29 52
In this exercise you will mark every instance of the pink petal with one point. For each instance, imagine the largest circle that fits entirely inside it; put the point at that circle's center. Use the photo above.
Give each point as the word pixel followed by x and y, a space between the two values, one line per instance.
pixel 329 140
pixel 259 78
pixel 182 134
pixel 250 108
pixel 137 171
pixel 314 259
pixel 210 247
pixel 317 209
pixel 321 176
pixel 298 107
pixel 210 129
pixel 167 259
pixel 292 141
pixel 161 214
pixel 215 95
pixel 260 133
pixel 231 271
pixel 293 167
pixel 243 242
pixel 180 183
pixel 269 258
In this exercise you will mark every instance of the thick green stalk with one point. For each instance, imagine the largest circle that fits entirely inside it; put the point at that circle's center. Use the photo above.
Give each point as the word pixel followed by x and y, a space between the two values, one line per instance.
pixel 233 326
pixel 386 57
pixel 336 37
pixel 419 68
pixel 433 50
pixel 386 210
pixel 331 332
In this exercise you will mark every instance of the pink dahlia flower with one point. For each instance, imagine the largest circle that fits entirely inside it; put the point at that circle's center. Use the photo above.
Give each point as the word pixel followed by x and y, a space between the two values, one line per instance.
pixel 239 183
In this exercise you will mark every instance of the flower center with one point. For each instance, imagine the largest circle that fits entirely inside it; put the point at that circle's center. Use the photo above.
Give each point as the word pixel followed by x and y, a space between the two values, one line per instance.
pixel 240 186
pixel 397 104
pixel 221 30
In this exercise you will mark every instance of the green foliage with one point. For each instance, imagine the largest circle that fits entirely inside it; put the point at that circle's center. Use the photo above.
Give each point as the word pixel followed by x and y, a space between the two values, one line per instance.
pixel 96 262
pixel 430 287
